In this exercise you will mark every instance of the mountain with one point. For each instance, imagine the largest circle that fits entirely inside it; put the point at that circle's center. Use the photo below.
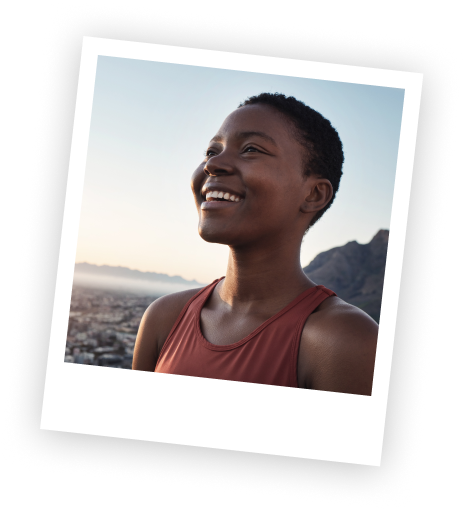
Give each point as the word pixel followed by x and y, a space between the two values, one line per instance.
pixel 122 272
pixel 354 271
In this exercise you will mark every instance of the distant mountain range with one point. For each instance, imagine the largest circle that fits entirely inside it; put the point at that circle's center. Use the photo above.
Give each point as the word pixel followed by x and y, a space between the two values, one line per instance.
pixel 126 273
pixel 354 271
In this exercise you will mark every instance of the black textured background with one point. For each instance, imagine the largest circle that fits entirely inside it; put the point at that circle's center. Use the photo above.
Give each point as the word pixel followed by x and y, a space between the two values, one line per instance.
pixel 79 464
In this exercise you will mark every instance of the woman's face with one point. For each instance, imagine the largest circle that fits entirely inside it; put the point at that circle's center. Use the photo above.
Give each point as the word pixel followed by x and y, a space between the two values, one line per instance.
pixel 255 165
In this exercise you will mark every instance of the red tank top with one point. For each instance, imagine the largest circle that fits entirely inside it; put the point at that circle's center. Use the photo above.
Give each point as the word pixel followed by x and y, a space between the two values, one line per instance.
pixel 268 355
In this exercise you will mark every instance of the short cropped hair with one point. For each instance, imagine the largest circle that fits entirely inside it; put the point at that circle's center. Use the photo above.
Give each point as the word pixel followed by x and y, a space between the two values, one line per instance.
pixel 324 149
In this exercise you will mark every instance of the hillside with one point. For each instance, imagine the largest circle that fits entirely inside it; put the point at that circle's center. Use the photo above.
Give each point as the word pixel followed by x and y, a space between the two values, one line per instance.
pixel 354 271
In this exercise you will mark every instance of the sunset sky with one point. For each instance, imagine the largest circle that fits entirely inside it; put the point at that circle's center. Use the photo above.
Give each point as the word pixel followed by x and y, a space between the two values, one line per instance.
pixel 151 123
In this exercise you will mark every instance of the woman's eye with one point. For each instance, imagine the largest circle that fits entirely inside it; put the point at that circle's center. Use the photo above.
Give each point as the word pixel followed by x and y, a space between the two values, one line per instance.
pixel 251 150
pixel 210 152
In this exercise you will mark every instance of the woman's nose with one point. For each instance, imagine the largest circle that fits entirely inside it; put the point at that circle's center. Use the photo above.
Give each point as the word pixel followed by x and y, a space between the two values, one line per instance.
pixel 217 166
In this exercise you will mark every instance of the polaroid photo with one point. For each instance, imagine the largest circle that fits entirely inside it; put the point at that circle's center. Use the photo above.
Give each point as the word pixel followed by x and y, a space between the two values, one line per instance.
pixel 231 251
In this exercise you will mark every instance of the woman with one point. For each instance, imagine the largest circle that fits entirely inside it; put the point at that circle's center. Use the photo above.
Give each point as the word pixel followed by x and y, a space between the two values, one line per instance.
pixel 269 174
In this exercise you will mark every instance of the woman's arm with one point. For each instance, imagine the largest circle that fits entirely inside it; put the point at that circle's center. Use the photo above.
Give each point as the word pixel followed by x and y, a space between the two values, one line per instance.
pixel 337 350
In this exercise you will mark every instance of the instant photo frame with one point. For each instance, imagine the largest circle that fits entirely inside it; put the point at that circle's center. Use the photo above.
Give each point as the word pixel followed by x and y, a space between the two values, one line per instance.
pixel 218 413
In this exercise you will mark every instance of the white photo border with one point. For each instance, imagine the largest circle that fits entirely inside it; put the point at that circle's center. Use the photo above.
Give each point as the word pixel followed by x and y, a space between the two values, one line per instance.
pixel 180 409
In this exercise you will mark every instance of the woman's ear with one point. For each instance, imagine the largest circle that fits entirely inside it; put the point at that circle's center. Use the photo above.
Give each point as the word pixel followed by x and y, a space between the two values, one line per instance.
pixel 319 193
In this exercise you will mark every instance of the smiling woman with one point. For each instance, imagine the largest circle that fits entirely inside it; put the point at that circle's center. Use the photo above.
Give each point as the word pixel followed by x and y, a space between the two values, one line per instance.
pixel 270 172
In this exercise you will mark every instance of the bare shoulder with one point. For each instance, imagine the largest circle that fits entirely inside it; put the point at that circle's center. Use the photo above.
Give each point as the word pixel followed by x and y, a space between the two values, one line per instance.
pixel 337 350
pixel 339 319
pixel 157 322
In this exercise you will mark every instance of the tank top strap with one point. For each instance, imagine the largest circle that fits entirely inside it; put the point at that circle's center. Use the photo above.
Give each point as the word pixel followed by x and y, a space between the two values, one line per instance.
pixel 310 299
pixel 304 305
pixel 195 303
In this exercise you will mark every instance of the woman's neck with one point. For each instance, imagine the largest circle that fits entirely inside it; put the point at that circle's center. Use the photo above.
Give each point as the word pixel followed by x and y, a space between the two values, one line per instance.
pixel 263 277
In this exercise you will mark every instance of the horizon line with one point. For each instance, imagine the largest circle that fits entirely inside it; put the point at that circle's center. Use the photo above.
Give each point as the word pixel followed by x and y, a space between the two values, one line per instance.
pixel 190 280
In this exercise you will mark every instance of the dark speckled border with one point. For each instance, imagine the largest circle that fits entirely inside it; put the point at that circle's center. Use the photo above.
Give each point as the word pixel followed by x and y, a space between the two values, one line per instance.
pixel 27 449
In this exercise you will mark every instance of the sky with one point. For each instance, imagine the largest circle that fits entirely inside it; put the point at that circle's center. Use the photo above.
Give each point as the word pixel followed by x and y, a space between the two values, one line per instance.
pixel 151 123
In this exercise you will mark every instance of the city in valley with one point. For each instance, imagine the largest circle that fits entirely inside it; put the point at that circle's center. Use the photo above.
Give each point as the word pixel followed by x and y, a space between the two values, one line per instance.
pixel 103 326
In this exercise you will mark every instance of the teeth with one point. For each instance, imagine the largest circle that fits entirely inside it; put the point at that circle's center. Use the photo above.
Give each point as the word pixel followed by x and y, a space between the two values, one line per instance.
pixel 222 195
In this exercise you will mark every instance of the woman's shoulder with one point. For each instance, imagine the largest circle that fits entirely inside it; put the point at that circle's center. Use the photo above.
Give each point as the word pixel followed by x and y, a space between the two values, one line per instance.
pixel 164 311
pixel 157 322
pixel 169 304
pixel 340 325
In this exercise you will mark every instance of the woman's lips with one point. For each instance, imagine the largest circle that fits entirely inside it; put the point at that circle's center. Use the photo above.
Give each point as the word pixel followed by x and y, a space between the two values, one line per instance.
pixel 218 204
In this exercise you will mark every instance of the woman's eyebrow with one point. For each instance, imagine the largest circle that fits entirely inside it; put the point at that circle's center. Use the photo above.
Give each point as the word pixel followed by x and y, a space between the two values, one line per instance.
pixel 246 134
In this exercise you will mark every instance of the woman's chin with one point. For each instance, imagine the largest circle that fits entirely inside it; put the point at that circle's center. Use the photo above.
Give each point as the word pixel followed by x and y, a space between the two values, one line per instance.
pixel 213 236
pixel 219 232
